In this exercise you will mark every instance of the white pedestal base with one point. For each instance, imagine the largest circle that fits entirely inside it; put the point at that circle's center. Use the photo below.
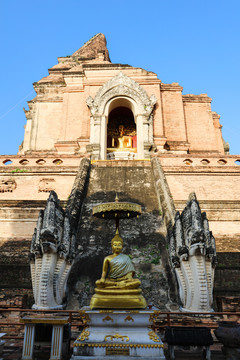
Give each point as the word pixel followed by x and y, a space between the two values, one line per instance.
pixel 121 155
pixel 118 334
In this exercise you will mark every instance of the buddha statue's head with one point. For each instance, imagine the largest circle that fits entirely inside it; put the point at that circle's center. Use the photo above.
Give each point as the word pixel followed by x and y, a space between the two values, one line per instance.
pixel 117 243
pixel 121 130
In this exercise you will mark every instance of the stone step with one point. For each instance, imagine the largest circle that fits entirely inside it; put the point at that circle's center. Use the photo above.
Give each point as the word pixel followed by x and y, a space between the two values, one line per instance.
pixel 15 353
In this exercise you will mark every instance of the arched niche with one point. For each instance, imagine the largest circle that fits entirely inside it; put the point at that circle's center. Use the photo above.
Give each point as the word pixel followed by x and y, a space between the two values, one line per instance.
pixel 121 129
pixel 121 92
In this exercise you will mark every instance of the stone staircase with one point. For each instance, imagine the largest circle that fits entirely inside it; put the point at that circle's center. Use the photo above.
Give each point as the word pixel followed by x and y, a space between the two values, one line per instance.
pixel 13 351
pixel 144 237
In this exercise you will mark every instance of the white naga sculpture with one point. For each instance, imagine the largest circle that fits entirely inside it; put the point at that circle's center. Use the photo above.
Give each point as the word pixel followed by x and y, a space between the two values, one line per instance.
pixel 53 245
pixel 193 255
pixel 51 255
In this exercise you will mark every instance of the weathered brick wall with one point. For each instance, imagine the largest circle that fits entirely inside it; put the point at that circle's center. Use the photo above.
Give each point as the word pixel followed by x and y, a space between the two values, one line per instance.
pixel 173 114
pixel 15 278
pixel 227 279
pixel 92 47
pixel 227 282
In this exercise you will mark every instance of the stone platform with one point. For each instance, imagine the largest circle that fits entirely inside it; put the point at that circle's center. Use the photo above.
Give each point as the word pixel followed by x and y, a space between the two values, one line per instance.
pixel 118 334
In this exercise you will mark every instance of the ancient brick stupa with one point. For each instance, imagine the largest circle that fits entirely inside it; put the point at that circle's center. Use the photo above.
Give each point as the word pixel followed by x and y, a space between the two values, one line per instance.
pixel 146 141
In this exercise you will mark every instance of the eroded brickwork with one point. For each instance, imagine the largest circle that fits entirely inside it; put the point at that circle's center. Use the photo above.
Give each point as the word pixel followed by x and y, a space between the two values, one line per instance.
pixel 58 119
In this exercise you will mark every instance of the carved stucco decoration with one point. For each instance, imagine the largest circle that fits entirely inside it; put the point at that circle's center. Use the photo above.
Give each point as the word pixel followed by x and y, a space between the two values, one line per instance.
pixel 46 185
pixel 7 185
pixel 121 85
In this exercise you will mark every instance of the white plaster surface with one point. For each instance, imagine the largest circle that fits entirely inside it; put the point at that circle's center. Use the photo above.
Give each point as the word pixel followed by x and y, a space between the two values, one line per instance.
pixel 119 329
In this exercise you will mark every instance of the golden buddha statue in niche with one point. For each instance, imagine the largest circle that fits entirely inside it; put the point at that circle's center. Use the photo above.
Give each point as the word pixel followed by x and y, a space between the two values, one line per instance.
pixel 124 142
pixel 117 289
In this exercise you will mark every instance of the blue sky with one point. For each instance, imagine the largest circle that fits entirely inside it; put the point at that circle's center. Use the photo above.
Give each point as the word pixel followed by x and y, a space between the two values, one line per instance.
pixel 195 43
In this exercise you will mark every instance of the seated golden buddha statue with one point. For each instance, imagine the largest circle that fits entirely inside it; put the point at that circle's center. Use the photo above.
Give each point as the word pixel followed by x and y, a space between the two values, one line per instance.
pixel 117 289
pixel 124 142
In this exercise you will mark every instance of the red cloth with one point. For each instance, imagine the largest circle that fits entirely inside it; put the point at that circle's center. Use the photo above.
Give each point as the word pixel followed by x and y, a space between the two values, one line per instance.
pixel 134 141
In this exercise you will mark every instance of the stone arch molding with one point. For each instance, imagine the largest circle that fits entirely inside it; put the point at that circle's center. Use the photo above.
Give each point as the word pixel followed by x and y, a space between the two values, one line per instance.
pixel 121 86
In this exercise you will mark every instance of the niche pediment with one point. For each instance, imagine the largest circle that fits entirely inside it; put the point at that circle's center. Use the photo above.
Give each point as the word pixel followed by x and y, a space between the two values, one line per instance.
pixel 121 85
